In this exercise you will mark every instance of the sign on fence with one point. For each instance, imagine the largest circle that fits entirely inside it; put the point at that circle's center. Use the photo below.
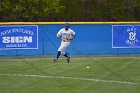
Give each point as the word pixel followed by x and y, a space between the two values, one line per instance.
pixel 126 36
pixel 19 37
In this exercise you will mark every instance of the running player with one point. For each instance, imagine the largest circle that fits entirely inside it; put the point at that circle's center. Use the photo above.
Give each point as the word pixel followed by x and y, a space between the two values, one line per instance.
pixel 66 35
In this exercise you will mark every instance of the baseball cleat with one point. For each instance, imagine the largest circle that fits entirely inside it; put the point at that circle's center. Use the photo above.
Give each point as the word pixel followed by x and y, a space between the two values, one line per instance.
pixel 55 60
pixel 68 59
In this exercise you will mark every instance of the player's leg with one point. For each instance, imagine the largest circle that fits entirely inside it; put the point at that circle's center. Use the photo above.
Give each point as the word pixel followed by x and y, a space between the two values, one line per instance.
pixel 58 53
pixel 64 53
pixel 57 56
pixel 60 50
pixel 67 57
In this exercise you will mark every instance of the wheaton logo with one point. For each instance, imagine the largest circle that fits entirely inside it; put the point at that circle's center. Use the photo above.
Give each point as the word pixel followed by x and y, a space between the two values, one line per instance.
pixel 19 37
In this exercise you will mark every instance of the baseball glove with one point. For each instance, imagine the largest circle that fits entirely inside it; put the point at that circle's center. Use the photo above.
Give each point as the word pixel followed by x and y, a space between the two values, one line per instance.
pixel 69 38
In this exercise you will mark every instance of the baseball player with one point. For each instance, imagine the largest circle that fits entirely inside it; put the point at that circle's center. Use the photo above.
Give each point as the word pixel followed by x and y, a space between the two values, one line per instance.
pixel 66 35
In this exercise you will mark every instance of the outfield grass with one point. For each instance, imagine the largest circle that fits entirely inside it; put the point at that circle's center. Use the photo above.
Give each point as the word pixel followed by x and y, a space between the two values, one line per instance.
pixel 108 75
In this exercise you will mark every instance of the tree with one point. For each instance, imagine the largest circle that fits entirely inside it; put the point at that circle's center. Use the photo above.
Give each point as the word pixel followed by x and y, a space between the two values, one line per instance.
pixel 67 10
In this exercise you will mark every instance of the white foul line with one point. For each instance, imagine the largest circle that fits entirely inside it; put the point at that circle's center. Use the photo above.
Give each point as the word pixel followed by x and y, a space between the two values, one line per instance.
pixel 61 77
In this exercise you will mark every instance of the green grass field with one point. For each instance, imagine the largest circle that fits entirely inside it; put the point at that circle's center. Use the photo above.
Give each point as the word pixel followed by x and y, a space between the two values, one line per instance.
pixel 41 75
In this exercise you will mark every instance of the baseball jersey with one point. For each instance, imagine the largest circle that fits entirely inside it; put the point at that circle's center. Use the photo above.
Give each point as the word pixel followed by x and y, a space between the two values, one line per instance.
pixel 65 33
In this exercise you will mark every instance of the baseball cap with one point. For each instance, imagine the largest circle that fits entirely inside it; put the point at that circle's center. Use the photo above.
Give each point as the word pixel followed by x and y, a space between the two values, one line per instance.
pixel 66 24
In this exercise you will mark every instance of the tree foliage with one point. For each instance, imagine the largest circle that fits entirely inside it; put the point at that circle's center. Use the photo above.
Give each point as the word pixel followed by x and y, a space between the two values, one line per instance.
pixel 68 10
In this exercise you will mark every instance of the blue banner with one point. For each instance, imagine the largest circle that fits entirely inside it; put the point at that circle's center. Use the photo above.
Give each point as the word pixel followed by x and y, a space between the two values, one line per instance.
pixel 126 36
pixel 90 39
pixel 19 37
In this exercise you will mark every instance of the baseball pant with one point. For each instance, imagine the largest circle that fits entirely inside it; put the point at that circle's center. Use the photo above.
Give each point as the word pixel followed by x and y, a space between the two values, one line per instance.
pixel 63 47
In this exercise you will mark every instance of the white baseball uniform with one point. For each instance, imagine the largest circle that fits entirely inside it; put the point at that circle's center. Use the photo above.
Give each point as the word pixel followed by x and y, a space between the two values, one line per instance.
pixel 64 43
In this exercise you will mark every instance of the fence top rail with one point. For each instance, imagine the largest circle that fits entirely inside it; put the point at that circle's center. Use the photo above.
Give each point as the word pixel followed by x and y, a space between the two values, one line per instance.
pixel 29 23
